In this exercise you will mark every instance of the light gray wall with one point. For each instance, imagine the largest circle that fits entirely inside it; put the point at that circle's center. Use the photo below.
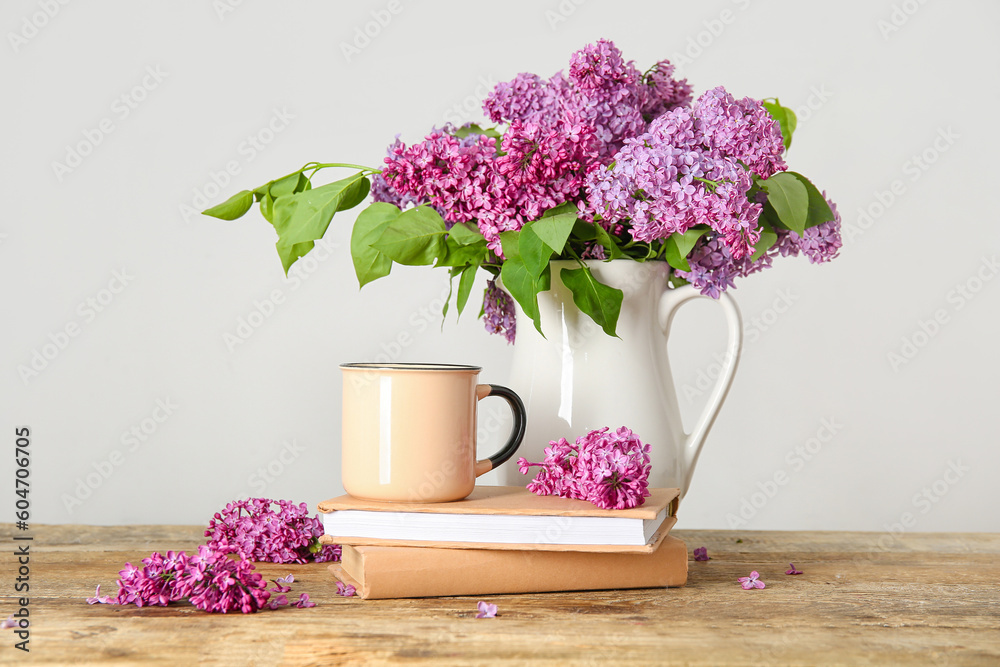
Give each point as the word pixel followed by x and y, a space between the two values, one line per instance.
pixel 878 85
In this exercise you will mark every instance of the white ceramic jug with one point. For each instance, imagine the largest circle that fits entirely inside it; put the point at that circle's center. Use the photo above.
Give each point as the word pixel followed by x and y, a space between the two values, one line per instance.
pixel 578 378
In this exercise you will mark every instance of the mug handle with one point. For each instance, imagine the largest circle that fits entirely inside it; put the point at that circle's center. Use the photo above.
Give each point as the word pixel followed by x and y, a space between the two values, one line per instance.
pixel 516 433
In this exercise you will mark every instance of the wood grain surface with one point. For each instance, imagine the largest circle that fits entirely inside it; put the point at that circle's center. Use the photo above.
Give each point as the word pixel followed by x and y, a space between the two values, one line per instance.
pixel 864 598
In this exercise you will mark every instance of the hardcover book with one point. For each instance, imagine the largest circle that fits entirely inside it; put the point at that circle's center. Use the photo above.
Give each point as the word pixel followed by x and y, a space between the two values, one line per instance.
pixel 405 572
pixel 501 517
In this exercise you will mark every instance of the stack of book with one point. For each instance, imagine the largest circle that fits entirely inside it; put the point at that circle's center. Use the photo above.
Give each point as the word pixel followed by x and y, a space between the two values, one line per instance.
pixel 503 539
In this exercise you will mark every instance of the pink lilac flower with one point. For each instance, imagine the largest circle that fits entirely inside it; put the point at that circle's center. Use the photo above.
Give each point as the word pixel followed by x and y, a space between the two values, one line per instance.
pixel 663 92
pixel 740 129
pixel 11 623
pixel 791 569
pixel 498 311
pixel 281 585
pixel 345 590
pixel 486 610
pixel 221 584
pixel 751 582
pixel 701 554
pixel 254 530
pixel 280 600
pixel 304 602
pixel 100 599
pixel 608 469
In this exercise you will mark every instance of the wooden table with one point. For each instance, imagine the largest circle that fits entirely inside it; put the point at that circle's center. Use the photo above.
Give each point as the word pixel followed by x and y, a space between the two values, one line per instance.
pixel 864 598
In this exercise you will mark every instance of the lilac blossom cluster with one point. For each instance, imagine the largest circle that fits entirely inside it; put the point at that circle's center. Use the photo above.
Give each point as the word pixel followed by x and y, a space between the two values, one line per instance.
pixel 559 130
pixel 713 267
pixel 254 530
pixel 210 580
pixel 498 311
pixel 607 468
pixel 693 166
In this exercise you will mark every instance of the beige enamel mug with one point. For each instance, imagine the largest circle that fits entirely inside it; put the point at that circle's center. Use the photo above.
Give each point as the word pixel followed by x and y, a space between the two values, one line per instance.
pixel 409 431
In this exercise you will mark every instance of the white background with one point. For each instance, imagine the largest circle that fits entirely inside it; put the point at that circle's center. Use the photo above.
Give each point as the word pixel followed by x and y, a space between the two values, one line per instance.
pixel 870 99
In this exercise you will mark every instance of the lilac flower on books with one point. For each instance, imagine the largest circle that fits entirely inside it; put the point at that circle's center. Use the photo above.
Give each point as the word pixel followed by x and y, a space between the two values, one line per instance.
pixel 751 582
pixel 255 530
pixel 345 590
pixel 607 468
pixel 486 610
pixel 791 569
pixel 701 554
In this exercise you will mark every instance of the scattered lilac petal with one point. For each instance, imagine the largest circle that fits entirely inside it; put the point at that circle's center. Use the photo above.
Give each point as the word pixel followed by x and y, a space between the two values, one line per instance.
pixel 304 602
pixel 751 582
pixel 701 554
pixel 792 569
pixel 10 622
pixel 345 590
pixel 486 610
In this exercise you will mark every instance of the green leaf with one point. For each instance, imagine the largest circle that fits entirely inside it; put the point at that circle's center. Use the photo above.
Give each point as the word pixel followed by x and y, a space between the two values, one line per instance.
pixel 584 230
pixel 819 208
pixel 555 225
pixel 369 263
pixel 463 132
pixel 285 186
pixel 767 239
pixel 232 208
pixel 790 200
pixel 415 238
pixel 518 280
pixel 601 302
pixel 463 255
pixel 304 217
pixel 267 207
pixel 607 241
pixel 785 118
pixel 679 245
pixel 465 286
pixel 463 233
pixel 533 251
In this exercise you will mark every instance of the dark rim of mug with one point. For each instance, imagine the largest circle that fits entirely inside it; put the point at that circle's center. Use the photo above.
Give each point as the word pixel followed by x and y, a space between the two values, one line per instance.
pixel 407 366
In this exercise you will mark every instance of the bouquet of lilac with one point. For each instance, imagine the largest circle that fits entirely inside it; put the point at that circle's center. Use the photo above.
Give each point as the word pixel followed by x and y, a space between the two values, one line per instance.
pixel 603 162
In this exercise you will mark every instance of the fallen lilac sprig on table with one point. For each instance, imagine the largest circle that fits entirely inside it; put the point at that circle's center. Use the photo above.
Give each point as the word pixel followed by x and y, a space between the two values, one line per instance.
pixel 751 582
pixel 792 569
pixel 254 530
pixel 486 610
pixel 701 554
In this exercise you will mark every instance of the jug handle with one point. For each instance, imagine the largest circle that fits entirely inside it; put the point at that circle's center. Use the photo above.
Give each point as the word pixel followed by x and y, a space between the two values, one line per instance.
pixel 670 301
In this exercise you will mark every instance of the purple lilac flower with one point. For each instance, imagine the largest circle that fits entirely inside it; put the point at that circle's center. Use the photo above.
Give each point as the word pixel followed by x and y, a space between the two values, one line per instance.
pixel 751 582
pixel 254 530
pixel 11 622
pixel 608 469
pixel 345 590
pixel 742 130
pixel 820 243
pixel 486 610
pixel 498 311
pixel 791 569
pixel 304 602
pixel 701 554
pixel 221 584
pixel 663 92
